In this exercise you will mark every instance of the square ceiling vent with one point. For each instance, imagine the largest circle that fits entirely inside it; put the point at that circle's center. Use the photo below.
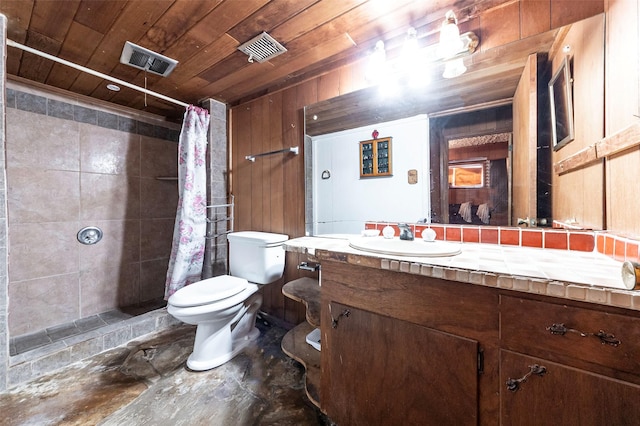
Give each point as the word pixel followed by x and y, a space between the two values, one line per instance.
pixel 262 48
pixel 145 59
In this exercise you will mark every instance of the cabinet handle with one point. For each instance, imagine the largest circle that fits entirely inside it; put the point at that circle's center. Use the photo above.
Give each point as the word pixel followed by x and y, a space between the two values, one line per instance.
pixel 605 338
pixel 334 321
pixel 514 384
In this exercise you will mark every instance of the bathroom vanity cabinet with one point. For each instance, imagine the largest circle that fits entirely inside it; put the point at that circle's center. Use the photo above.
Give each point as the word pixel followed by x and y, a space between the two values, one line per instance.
pixel 403 349
pixel 409 342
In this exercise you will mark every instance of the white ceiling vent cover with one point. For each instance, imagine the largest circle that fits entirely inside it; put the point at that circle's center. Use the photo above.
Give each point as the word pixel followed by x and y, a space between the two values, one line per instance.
pixel 145 59
pixel 262 48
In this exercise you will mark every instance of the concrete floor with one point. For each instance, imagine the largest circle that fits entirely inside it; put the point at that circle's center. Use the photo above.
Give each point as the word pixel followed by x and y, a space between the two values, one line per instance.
pixel 147 383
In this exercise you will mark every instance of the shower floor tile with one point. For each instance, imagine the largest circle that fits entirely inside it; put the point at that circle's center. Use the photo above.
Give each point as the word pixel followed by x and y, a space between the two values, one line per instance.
pixel 27 342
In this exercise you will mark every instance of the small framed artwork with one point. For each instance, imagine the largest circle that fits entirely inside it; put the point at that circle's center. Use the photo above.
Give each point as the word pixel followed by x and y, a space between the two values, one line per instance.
pixel 561 103
pixel 466 175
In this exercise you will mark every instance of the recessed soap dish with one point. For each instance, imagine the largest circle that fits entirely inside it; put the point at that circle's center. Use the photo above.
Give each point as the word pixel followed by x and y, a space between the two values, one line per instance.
pixel 313 339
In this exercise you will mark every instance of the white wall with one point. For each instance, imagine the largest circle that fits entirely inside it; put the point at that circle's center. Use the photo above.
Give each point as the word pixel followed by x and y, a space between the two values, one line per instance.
pixel 344 202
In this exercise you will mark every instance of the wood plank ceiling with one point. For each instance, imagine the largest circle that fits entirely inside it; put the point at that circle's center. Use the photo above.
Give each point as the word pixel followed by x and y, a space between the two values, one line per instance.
pixel 203 35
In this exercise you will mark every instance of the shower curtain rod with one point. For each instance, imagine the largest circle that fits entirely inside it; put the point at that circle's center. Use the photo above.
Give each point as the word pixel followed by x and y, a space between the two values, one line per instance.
pixel 95 73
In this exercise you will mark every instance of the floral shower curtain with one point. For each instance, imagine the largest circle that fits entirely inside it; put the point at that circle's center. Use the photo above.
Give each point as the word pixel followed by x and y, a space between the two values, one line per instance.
pixel 187 252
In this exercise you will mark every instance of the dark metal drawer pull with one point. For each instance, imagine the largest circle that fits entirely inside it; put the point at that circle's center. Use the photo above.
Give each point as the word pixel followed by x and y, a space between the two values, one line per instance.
pixel 334 321
pixel 605 338
pixel 514 384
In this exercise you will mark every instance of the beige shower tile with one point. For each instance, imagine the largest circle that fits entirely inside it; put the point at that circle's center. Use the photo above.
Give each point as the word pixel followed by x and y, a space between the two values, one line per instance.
pixel 153 275
pixel 42 195
pixel 43 302
pixel 158 157
pixel 156 236
pixel 158 199
pixel 107 197
pixel 41 250
pixel 109 287
pixel 41 142
pixel 120 244
pixel 109 151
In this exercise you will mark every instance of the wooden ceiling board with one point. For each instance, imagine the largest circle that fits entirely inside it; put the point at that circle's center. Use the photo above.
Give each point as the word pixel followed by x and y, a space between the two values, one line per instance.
pixel 276 74
pixel 18 13
pixel 52 18
pixel 267 18
pixel 203 36
pixel 174 23
pixel 99 15
pixel 131 24
pixel 312 18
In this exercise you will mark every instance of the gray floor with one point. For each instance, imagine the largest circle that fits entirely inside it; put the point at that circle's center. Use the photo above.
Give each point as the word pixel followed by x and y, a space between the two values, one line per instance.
pixel 147 383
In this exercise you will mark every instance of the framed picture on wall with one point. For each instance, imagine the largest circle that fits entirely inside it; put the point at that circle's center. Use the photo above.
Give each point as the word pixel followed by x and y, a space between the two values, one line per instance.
pixel 561 103
pixel 466 175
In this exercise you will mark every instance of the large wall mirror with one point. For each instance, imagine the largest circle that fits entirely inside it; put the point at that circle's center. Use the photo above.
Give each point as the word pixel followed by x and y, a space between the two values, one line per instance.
pixel 473 126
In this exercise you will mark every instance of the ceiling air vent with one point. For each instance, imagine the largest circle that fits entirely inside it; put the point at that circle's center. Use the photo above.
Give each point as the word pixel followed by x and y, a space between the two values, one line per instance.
pixel 145 59
pixel 262 48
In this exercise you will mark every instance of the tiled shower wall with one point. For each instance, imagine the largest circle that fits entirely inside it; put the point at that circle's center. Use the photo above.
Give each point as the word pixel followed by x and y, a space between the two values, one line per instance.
pixel 4 326
pixel 71 165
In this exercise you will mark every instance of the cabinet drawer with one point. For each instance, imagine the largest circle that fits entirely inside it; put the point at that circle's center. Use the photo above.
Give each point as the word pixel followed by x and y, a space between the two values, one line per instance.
pixel 526 326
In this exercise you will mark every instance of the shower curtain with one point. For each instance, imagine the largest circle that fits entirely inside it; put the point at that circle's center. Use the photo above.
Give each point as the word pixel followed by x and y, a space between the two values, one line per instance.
pixel 187 251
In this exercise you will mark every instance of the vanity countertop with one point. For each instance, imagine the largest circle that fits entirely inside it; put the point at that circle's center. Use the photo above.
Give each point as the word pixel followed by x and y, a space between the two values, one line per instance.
pixel 587 276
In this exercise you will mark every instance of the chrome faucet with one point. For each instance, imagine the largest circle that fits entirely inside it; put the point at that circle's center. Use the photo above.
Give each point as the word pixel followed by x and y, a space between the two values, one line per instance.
pixel 405 232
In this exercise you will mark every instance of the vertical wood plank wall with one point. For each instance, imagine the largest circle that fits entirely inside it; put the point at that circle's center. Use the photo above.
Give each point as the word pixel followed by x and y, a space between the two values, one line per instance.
pixel 269 194
pixel 579 195
pixel 622 106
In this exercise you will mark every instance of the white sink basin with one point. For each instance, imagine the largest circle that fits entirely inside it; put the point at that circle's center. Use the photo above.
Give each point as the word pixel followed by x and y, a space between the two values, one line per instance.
pixel 398 247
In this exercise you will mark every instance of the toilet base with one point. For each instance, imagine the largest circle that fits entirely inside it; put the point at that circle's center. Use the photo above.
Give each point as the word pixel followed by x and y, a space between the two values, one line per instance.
pixel 238 345
pixel 214 346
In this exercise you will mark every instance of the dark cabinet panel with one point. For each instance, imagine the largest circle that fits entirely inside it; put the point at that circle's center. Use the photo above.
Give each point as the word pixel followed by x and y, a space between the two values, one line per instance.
pixel 378 370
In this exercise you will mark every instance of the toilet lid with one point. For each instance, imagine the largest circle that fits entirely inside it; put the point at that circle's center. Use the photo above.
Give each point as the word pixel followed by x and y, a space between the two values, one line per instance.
pixel 208 291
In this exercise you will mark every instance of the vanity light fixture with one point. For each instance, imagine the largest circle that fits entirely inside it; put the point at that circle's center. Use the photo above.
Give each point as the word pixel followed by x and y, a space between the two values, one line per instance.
pixel 377 67
pixel 453 46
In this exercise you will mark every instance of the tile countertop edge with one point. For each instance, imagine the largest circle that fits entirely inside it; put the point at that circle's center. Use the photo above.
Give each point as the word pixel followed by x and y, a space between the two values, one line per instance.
pixel 337 248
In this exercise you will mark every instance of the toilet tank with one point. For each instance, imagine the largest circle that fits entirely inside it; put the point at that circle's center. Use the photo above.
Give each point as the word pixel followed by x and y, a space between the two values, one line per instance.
pixel 255 256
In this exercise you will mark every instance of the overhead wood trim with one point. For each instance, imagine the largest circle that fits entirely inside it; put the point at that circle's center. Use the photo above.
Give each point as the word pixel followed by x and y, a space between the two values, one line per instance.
pixel 625 139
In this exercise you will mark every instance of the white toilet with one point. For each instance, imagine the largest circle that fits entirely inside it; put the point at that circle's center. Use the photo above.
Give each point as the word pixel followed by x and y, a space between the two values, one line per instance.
pixel 224 308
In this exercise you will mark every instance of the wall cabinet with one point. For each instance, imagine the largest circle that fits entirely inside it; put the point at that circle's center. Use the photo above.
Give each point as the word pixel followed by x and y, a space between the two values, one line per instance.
pixel 375 157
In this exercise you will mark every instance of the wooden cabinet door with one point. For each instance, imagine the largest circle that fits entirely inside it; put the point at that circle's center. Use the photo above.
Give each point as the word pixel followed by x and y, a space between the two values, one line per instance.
pixel 382 371
pixel 564 395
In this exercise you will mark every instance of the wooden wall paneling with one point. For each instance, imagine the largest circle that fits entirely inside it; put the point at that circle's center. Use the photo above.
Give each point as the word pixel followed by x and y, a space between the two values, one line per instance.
pixel 579 195
pixel 535 17
pixel 273 189
pixel 258 175
pixel 525 143
pixel 622 109
pixel 329 85
pixel 268 166
pixel 565 12
pixel 277 170
pixel 500 25
pixel 241 168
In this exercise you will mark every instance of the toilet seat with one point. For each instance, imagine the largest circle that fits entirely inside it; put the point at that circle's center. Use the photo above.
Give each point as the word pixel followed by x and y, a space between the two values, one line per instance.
pixel 208 291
